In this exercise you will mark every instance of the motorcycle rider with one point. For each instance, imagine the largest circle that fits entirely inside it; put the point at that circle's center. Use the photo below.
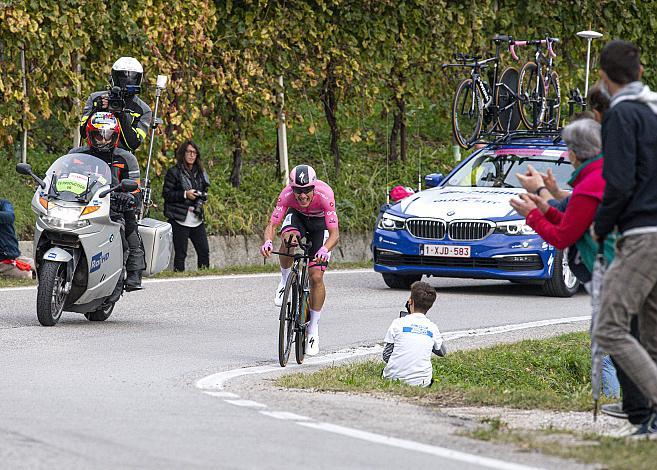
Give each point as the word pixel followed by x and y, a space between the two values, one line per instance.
pixel 133 114
pixel 103 133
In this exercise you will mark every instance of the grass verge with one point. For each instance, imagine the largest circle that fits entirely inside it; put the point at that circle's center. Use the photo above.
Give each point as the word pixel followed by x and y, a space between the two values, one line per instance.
pixel 257 269
pixel 611 453
pixel 544 374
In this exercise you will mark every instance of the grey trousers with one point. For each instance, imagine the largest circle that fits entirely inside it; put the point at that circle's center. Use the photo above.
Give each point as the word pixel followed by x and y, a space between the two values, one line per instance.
pixel 630 288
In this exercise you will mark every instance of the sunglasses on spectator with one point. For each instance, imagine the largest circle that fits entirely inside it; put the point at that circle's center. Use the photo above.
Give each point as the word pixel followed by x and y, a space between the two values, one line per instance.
pixel 306 190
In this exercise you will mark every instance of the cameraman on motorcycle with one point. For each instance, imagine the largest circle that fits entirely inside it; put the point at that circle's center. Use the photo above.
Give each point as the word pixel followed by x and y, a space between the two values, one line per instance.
pixel 133 114
pixel 103 132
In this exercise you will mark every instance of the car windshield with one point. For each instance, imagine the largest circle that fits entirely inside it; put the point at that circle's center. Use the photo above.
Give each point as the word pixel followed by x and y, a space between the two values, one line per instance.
pixel 499 171
pixel 76 177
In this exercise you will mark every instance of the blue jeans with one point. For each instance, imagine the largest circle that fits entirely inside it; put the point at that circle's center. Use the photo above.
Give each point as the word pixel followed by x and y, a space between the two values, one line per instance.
pixel 610 385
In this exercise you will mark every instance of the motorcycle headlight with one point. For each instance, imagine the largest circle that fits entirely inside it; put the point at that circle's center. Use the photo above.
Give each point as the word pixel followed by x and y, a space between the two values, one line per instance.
pixel 64 217
pixel 391 222
pixel 514 227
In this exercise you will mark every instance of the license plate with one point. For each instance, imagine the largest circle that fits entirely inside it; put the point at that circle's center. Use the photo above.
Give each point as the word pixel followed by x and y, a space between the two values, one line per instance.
pixel 448 251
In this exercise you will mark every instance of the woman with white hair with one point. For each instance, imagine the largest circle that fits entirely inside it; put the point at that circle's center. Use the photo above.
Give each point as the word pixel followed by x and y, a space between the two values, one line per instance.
pixel 564 229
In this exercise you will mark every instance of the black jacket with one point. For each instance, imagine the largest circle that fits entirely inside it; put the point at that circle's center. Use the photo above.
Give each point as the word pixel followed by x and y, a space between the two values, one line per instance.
pixel 176 205
pixel 629 143
pixel 8 241
pixel 134 124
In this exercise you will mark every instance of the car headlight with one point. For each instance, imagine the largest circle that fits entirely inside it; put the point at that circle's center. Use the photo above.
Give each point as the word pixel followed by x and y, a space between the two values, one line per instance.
pixel 64 217
pixel 391 222
pixel 514 227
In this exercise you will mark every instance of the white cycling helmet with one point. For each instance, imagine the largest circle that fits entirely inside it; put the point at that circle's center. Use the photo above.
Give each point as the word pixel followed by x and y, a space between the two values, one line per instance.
pixel 126 74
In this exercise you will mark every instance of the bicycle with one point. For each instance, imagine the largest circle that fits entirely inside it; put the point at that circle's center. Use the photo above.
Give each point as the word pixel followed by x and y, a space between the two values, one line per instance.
pixel 295 311
pixel 477 104
pixel 539 91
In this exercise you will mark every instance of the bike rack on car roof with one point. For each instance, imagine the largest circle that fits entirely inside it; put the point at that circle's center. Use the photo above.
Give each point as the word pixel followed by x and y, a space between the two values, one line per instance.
pixel 552 136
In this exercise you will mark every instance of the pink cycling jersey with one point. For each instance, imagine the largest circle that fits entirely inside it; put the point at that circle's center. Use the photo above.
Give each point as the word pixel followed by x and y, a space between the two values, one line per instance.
pixel 322 205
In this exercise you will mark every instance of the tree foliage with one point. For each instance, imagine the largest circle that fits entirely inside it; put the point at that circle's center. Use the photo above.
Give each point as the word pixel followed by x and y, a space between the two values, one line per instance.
pixel 342 57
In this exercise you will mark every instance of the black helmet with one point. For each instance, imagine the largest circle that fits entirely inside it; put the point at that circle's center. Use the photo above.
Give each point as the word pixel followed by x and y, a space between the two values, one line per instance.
pixel 126 74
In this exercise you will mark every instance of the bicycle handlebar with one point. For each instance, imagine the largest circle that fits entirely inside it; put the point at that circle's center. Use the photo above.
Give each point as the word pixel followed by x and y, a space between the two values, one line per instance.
pixel 534 42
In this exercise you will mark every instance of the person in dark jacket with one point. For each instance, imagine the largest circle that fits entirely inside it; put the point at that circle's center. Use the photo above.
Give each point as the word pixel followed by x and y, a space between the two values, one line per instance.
pixel 12 264
pixel 629 143
pixel 103 134
pixel 185 191
pixel 133 114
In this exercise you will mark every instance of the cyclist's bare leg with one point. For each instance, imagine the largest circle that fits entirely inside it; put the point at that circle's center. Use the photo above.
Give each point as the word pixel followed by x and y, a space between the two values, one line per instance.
pixel 317 289
pixel 286 261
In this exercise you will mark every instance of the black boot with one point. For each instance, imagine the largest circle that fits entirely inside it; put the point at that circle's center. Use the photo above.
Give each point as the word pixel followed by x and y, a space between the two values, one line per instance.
pixel 133 281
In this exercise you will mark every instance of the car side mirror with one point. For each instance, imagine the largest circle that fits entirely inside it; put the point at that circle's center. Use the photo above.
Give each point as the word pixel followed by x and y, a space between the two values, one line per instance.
pixel 434 179
pixel 129 186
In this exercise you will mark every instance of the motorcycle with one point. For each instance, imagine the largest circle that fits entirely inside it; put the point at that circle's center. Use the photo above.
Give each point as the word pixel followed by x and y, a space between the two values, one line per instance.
pixel 78 249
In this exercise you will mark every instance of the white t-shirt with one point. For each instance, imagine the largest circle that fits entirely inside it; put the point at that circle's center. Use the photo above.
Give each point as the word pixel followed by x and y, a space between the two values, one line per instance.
pixel 414 337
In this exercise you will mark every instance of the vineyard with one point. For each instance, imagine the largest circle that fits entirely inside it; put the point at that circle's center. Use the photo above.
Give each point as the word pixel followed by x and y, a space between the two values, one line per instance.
pixel 363 83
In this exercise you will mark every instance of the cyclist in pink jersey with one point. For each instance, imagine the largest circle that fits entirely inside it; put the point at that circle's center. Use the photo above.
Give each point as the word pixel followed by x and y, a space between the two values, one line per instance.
pixel 305 207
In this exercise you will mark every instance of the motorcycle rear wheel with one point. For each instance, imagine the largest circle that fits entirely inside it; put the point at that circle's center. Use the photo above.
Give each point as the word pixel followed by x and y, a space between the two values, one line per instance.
pixel 101 314
pixel 50 293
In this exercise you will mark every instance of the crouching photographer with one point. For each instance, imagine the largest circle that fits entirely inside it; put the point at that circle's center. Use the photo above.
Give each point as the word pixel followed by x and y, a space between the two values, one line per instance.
pixel 185 192
pixel 412 338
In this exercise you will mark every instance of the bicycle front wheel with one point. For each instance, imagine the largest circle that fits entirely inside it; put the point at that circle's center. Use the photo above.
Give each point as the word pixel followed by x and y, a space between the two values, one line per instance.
pixel 531 96
pixel 300 336
pixel 506 93
pixel 467 113
pixel 286 319
pixel 552 102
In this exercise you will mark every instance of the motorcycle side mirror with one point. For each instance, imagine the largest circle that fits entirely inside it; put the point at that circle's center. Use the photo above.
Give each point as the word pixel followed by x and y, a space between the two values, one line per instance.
pixel 26 169
pixel 129 186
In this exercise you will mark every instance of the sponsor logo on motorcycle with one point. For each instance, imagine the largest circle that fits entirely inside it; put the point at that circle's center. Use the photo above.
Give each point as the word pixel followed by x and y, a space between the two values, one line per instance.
pixel 97 261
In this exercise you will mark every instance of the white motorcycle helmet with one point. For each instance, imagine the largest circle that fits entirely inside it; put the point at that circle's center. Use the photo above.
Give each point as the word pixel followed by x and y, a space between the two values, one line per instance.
pixel 126 74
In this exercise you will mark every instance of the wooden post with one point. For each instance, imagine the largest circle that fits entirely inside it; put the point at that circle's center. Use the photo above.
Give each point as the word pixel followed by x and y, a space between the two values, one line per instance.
pixel 284 167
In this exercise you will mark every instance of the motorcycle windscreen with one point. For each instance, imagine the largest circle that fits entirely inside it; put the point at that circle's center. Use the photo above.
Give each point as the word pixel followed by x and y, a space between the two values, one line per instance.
pixel 77 176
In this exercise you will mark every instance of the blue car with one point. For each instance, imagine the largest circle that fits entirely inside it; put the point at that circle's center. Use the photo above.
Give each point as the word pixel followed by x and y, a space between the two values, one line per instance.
pixel 464 227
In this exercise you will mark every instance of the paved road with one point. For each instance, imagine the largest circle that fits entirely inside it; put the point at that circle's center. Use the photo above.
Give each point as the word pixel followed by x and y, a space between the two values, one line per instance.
pixel 121 393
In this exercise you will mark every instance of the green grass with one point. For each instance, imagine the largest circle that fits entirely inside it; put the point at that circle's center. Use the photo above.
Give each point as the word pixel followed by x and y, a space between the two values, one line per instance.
pixel 611 453
pixel 268 268
pixel 360 188
pixel 545 374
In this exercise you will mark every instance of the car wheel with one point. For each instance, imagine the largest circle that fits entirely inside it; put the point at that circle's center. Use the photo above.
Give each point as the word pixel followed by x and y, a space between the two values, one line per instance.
pixel 400 281
pixel 563 282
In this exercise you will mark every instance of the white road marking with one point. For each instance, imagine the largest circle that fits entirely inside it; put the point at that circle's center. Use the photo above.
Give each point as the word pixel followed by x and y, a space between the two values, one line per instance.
pixel 416 446
pixel 222 394
pixel 285 415
pixel 246 403
pixel 217 381
pixel 212 278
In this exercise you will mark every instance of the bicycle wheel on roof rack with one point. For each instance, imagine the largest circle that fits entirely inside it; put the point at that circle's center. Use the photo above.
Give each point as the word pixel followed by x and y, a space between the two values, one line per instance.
pixel 467 113
pixel 508 106
pixel 552 102
pixel 531 96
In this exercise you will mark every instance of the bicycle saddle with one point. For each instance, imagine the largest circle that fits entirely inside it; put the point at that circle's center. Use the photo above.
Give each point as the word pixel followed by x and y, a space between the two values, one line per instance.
pixel 502 38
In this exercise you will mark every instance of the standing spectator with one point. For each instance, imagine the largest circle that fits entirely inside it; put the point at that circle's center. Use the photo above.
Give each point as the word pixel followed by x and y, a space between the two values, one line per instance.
pixel 185 191
pixel 411 339
pixel 12 264
pixel 629 142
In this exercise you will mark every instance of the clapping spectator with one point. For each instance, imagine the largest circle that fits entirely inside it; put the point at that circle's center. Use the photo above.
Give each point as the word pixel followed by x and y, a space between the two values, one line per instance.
pixel 412 338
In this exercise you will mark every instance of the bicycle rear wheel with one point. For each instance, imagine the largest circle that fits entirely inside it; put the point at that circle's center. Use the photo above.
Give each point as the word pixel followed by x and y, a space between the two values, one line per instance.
pixel 506 100
pixel 467 113
pixel 300 336
pixel 531 94
pixel 552 102
pixel 286 319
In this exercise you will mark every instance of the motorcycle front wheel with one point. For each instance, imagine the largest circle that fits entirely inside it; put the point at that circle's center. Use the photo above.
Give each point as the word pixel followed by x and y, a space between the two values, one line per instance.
pixel 50 293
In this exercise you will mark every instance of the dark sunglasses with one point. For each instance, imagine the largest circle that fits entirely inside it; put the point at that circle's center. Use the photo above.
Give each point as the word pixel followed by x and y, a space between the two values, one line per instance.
pixel 306 190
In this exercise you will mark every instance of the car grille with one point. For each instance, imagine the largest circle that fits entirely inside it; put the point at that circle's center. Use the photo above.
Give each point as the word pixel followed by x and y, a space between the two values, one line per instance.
pixel 426 228
pixel 528 263
pixel 470 230
pixel 434 229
